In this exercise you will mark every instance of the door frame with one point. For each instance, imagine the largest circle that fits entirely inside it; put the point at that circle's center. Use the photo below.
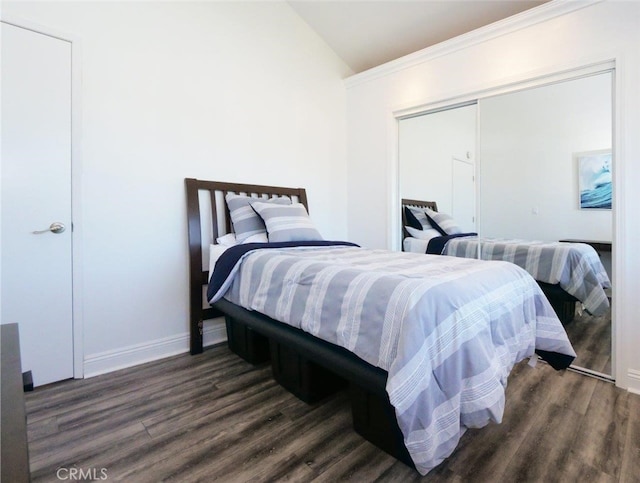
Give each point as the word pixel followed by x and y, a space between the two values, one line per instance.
pixel 76 176
pixel 457 159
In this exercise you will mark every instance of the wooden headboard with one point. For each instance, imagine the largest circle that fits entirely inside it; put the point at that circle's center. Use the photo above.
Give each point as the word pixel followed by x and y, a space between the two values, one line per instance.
pixel 417 204
pixel 207 219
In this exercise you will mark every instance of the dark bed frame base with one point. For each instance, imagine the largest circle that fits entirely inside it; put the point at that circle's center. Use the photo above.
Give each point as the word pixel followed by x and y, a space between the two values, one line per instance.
pixel 374 419
pixel 308 381
pixel 308 367
pixel 563 303
pixel 245 342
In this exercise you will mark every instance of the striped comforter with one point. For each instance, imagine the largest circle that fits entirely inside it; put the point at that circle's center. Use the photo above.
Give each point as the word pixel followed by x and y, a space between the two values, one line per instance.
pixel 576 267
pixel 448 330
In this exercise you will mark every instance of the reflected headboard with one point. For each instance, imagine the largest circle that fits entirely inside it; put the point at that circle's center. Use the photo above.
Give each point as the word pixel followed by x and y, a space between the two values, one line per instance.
pixel 432 205
pixel 207 219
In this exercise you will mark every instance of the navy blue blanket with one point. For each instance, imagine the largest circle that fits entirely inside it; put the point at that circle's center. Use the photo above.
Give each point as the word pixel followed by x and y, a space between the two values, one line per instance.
pixel 436 245
pixel 230 257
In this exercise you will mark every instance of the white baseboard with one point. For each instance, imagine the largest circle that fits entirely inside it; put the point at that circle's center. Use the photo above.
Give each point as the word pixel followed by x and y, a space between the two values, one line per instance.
pixel 104 362
pixel 634 381
pixel 214 333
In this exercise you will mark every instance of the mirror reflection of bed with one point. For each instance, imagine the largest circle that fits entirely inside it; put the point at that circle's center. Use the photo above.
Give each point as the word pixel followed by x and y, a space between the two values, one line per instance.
pixel 570 274
pixel 526 148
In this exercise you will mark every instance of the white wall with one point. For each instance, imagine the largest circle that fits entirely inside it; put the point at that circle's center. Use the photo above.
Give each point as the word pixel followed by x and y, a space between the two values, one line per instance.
pixel 549 39
pixel 529 140
pixel 427 145
pixel 229 91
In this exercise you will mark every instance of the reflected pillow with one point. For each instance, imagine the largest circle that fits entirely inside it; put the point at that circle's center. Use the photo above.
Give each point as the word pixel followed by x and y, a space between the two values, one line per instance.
pixel 427 234
pixel 286 223
pixel 245 221
pixel 416 218
pixel 443 222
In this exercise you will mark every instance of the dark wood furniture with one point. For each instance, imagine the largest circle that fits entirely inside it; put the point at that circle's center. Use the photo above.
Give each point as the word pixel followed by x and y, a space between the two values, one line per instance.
pixel 598 246
pixel 307 366
pixel 15 451
pixel 220 223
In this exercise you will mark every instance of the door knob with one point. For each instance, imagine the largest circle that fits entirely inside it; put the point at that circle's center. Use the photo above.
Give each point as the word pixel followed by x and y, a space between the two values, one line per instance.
pixel 55 227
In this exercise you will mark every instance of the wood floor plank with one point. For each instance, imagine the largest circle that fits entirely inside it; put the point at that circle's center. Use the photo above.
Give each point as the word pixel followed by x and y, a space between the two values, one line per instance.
pixel 631 459
pixel 190 413
pixel 572 391
pixel 483 454
pixel 403 473
pixel 214 417
pixel 579 470
pixel 546 448
pixel 330 443
pixel 45 470
pixel 271 459
pixel 80 399
pixel 365 462
pixel 43 428
pixel 67 452
pixel 212 439
pixel 601 436
pixel 591 339
pixel 266 444
pixel 119 414
pixel 136 449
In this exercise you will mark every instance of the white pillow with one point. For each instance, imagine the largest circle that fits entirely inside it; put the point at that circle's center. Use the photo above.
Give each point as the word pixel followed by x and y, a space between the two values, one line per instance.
pixel 427 234
pixel 227 240
pixel 286 222
pixel 215 251
pixel 230 240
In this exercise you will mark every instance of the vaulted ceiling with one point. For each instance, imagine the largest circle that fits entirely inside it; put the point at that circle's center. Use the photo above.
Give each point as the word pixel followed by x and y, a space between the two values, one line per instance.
pixel 366 33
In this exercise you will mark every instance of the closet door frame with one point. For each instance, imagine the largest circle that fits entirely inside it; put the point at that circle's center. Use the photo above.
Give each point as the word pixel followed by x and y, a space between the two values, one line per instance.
pixel 613 64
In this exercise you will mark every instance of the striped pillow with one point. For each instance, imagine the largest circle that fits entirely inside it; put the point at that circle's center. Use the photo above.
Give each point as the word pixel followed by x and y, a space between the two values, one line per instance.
pixel 286 223
pixel 443 222
pixel 245 221
pixel 417 218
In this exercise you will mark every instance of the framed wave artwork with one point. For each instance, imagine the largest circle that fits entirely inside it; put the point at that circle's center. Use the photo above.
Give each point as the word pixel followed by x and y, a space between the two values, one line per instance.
pixel 594 180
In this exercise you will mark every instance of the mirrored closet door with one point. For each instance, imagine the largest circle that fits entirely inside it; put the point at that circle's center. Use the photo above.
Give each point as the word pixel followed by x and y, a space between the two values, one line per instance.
pixel 437 152
pixel 545 174
pixel 532 164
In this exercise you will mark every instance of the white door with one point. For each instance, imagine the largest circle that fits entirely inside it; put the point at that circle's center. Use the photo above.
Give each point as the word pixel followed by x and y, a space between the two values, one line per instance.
pixel 463 208
pixel 36 192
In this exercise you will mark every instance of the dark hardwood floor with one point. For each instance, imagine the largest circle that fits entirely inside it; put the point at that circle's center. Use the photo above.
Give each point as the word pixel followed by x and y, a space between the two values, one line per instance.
pixel 215 417
pixel 591 339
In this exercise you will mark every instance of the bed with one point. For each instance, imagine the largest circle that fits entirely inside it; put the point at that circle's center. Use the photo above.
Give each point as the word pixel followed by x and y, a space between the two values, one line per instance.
pixel 567 272
pixel 394 329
